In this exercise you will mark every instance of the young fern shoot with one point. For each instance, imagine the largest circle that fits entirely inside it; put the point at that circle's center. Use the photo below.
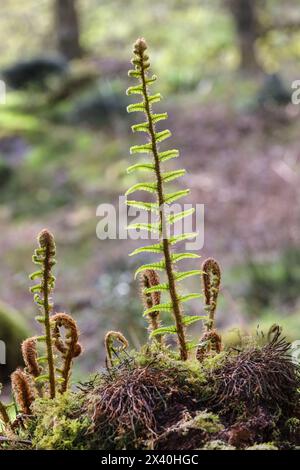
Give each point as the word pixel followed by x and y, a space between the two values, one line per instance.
pixel 211 280
pixel 44 256
pixel 111 338
pixel 69 347
pixel 160 206
pixel 150 279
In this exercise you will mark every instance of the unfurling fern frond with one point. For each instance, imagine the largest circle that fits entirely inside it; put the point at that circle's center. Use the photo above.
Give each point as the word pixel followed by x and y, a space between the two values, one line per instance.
pixel 157 187
pixel 150 280
pixel 211 279
pixel 112 337
pixel 69 348
pixel 44 257
pixel 30 356
pixel 23 390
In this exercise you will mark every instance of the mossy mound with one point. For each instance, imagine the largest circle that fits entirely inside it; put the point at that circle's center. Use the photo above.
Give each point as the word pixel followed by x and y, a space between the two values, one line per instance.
pixel 152 400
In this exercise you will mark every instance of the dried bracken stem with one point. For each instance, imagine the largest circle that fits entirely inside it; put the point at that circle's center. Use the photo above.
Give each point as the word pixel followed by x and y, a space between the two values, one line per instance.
pixel 23 390
pixel 150 278
pixel 30 356
pixel 70 348
pixel 140 48
pixel 110 338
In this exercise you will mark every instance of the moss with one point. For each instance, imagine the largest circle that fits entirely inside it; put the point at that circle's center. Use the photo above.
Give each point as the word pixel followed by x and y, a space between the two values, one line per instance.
pixel 59 424
pixel 165 359
pixel 263 446
pixel 217 445
pixel 191 432
pixel 207 421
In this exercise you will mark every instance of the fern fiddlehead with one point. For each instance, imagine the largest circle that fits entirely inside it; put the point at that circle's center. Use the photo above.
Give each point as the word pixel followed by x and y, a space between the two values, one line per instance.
pixel 150 279
pixel 110 338
pixel 141 72
pixel 30 356
pixel 70 348
pixel 44 256
pixel 23 390
pixel 211 280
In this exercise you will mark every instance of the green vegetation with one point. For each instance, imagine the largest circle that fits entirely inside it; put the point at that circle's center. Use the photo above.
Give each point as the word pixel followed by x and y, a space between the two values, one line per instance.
pixel 157 396
pixel 160 206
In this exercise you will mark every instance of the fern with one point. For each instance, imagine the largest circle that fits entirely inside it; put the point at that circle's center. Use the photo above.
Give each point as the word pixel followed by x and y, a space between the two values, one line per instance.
pixel 157 187
pixel 110 339
pixel 44 257
pixel 211 341
pixel 149 280
pixel 69 347
pixel 23 390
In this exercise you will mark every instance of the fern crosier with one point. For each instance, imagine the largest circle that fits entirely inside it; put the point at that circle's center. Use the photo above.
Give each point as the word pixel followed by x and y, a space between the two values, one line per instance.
pixel 23 390
pixel 160 206
pixel 69 347
pixel 110 339
pixel 211 341
pixel 44 256
pixel 149 278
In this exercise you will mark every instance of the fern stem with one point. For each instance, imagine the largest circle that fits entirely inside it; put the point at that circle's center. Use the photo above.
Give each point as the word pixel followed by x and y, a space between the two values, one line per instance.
pixel 46 277
pixel 177 310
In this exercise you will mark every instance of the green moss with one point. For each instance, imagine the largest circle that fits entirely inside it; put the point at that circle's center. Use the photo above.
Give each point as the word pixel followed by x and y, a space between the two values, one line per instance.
pixel 59 424
pixel 218 445
pixel 264 446
pixel 207 422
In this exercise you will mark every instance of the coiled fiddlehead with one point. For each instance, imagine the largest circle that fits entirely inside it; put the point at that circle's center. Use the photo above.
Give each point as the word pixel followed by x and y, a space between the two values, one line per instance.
pixel 160 206
pixel 23 390
pixel 211 279
pixel 150 278
pixel 69 348
pixel 44 256
pixel 110 338
pixel 30 356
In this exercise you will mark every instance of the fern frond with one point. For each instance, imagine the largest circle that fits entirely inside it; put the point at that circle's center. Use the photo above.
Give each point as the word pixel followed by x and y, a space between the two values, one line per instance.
pixel 141 69
pixel 150 279
pixel 69 347
pixel 112 337
pixel 44 256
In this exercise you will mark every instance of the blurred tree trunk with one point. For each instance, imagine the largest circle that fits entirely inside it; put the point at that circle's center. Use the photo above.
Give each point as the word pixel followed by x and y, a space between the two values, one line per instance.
pixel 67 29
pixel 244 15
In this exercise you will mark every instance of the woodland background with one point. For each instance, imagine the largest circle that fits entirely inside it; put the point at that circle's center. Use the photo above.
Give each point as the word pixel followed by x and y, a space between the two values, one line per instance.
pixel 225 69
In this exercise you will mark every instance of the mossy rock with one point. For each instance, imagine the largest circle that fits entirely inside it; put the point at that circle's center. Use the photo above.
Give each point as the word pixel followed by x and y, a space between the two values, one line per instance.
pixel 13 330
